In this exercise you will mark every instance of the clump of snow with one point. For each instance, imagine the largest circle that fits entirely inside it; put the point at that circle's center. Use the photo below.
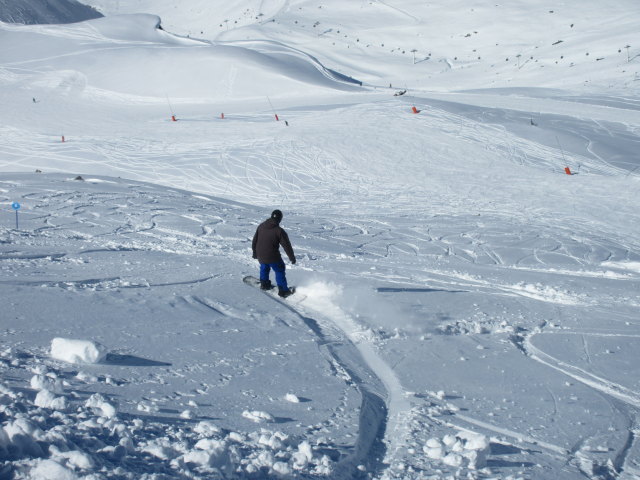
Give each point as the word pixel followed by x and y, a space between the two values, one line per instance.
pixel 206 428
pixel 87 377
pixel 100 406
pixel 290 397
pixel 187 414
pixel 465 449
pixel 258 416
pixel 148 407
pixel 47 399
pixel 77 459
pixel 303 456
pixel 50 470
pixel 47 382
pixel 77 351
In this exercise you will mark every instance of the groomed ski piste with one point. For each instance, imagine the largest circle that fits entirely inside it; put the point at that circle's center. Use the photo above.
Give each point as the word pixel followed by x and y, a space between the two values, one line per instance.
pixel 465 309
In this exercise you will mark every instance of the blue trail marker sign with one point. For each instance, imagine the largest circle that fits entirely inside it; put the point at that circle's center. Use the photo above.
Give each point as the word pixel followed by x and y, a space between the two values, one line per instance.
pixel 16 207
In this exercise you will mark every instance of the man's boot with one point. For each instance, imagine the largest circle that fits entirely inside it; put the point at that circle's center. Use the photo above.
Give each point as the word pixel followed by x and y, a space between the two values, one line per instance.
pixel 265 285
pixel 284 293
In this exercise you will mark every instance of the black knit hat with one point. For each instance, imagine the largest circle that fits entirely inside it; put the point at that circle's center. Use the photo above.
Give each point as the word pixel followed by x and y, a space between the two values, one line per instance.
pixel 276 215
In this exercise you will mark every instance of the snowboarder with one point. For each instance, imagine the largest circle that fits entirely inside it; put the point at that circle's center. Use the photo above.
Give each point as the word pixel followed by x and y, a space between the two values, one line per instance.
pixel 266 248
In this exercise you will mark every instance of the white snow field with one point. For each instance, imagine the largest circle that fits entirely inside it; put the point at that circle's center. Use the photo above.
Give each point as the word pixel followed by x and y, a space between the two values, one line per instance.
pixel 465 309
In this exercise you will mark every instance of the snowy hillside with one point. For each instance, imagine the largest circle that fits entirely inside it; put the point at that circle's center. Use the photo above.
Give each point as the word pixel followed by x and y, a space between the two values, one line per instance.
pixel 436 45
pixel 45 11
pixel 465 309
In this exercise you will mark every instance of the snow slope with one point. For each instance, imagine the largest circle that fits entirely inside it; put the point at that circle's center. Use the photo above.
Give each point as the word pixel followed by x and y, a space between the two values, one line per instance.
pixel 465 308
pixel 436 45
pixel 45 11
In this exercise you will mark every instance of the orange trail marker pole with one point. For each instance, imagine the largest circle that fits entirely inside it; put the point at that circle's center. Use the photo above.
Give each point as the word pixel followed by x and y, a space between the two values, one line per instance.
pixel 273 109
pixel 62 138
pixel 567 170
pixel 173 115
pixel 222 115
pixel 414 110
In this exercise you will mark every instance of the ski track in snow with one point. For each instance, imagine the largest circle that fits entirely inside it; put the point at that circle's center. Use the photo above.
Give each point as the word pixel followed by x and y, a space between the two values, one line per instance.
pixel 613 389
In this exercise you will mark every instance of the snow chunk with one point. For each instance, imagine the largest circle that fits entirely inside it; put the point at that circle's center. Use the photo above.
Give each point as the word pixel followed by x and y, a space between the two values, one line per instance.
pixel 282 468
pixel 303 456
pixel 453 460
pixel 77 351
pixel 257 416
pixel 197 457
pixel 235 437
pixel 474 441
pixel 23 436
pixel 148 407
pixel 101 406
pixel 206 428
pixel 46 399
pixel 74 458
pixel 211 445
pixel 87 377
pixel 290 397
pixel 47 382
pixel 160 449
pixel 468 449
pixel 274 441
pixel 434 449
pixel 50 470
pixel 187 414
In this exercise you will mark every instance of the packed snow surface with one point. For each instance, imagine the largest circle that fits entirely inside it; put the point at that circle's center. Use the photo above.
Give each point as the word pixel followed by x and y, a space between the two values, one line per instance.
pixel 464 307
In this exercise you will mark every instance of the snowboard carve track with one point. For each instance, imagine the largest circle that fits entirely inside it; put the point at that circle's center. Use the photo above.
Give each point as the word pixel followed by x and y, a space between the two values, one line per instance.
pixel 334 342
pixel 385 409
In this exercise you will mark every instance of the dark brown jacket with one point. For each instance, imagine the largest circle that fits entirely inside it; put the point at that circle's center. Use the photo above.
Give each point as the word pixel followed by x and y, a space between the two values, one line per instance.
pixel 267 240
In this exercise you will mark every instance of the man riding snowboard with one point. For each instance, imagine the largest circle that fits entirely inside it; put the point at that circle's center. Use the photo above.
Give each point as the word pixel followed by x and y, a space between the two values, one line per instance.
pixel 266 248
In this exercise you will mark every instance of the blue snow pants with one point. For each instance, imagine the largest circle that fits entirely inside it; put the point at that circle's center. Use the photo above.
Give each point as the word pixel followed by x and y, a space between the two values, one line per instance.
pixel 278 267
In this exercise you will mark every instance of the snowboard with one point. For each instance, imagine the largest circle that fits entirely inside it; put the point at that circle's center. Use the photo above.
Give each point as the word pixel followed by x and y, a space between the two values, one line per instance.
pixel 255 282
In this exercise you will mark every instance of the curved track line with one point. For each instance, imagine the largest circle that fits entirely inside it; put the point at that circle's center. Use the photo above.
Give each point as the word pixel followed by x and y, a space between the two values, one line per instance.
pixel 369 448
pixel 613 389
pixel 397 405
